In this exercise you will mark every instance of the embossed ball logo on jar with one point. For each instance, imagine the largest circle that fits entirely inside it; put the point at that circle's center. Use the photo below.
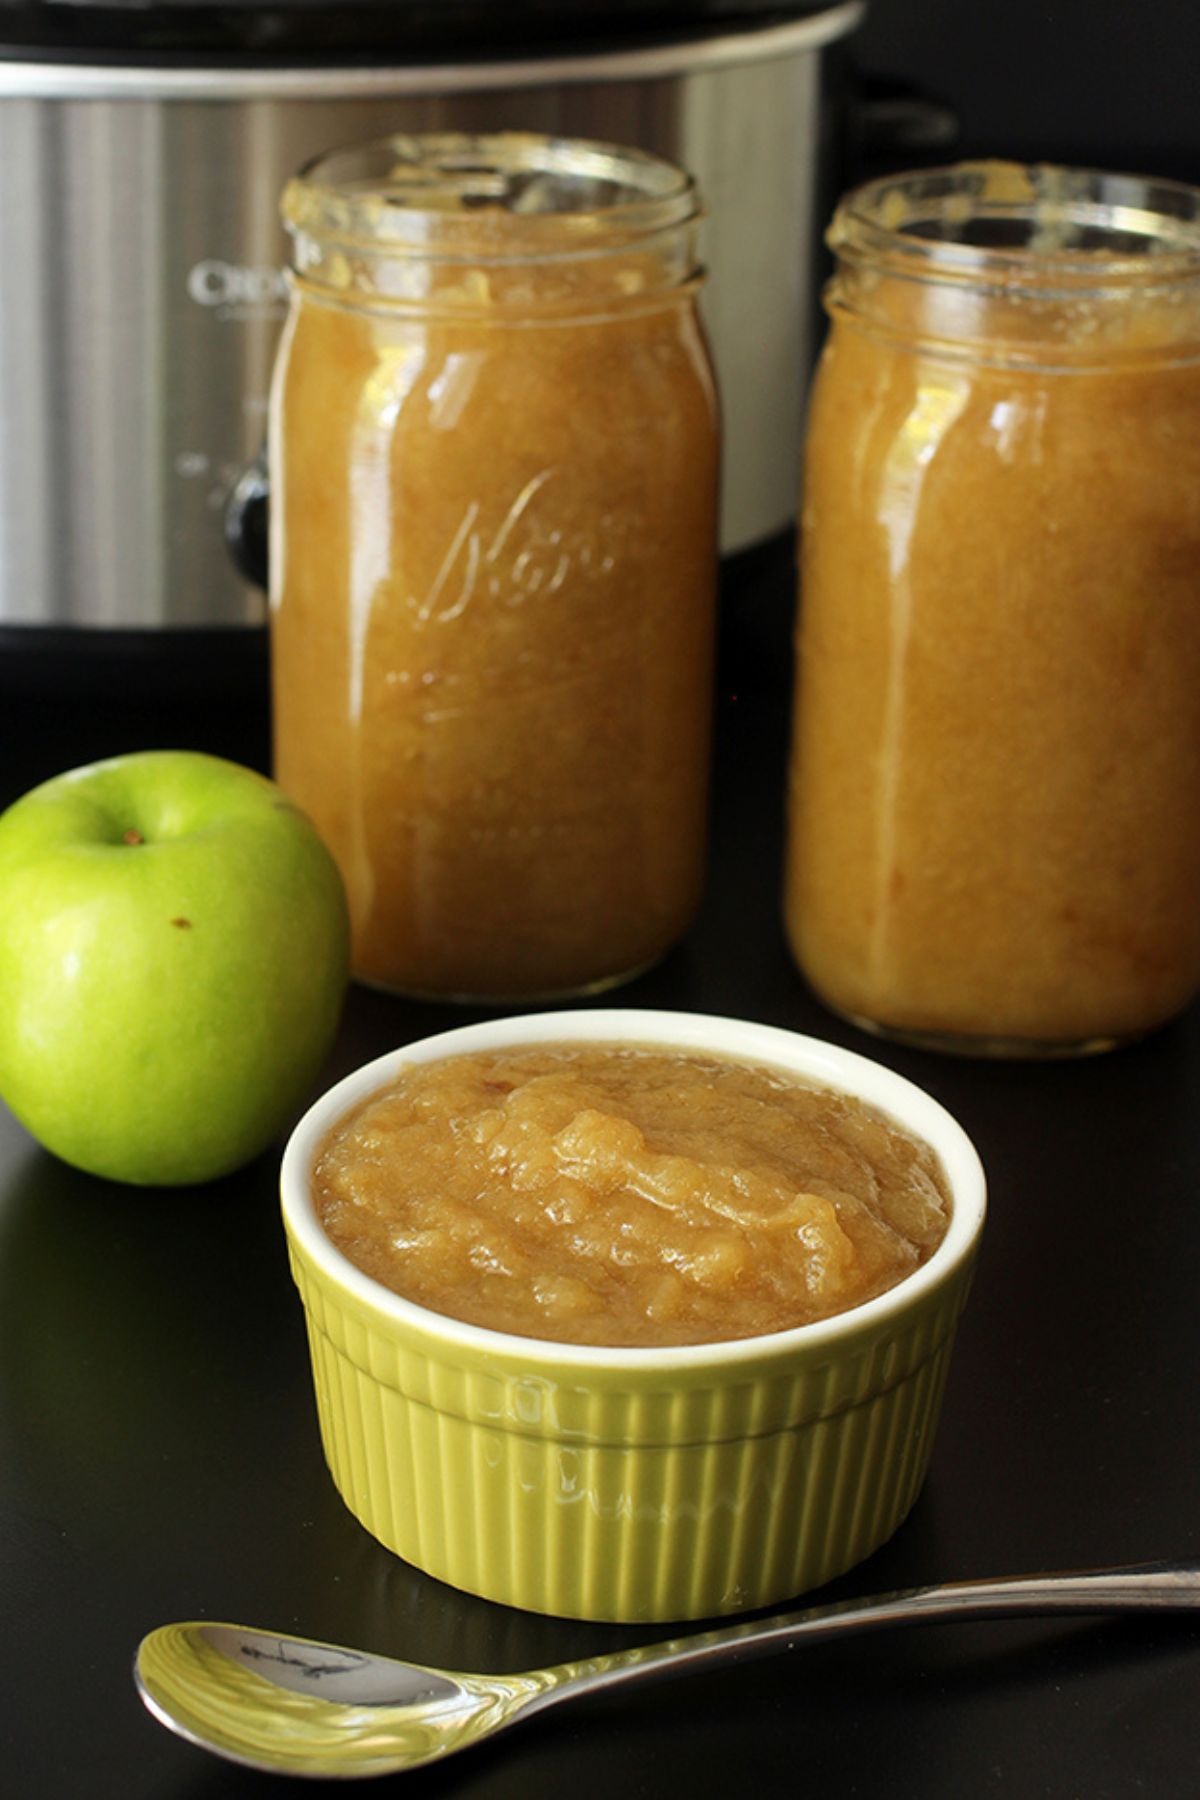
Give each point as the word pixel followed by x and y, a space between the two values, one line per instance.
pixel 525 556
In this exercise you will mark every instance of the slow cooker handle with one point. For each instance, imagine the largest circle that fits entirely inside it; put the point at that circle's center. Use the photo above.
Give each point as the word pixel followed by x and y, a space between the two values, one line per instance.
pixel 247 519
pixel 895 119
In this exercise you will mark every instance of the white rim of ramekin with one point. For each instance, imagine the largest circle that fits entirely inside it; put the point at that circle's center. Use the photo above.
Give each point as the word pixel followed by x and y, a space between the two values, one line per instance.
pixel 773 1046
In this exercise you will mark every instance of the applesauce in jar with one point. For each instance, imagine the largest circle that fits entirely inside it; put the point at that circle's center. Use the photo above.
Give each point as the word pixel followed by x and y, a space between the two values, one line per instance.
pixel 627 1194
pixel 493 456
pixel 994 837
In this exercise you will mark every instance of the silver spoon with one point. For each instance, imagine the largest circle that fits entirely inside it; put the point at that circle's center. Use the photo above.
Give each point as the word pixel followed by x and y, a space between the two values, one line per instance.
pixel 296 1707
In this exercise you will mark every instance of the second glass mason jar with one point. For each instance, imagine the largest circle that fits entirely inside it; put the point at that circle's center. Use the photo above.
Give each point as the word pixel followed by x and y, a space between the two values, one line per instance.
pixel 493 452
pixel 994 839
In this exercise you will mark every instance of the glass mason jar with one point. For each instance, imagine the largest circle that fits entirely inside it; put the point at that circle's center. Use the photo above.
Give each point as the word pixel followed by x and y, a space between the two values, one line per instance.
pixel 493 451
pixel 994 805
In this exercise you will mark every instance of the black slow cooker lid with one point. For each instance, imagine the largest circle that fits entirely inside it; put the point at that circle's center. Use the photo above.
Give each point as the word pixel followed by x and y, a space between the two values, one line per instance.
pixel 335 29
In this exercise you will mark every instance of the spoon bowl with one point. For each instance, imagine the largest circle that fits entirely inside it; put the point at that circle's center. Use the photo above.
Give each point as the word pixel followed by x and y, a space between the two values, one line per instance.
pixel 293 1706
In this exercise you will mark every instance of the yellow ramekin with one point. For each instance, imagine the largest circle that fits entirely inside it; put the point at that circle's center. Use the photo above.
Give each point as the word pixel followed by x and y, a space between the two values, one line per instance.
pixel 632 1484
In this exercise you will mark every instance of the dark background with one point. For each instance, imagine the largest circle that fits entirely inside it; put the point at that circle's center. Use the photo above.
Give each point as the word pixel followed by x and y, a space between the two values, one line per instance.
pixel 1110 82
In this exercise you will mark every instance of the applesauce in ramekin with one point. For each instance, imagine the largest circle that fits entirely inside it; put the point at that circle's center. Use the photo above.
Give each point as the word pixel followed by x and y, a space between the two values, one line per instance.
pixel 661 1481
pixel 626 1194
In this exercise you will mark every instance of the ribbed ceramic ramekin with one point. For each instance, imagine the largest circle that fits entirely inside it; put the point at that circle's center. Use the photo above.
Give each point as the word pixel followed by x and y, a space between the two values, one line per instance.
pixel 632 1484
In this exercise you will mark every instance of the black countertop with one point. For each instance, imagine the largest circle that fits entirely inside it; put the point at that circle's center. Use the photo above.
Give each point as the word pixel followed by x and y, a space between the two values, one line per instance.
pixel 159 1456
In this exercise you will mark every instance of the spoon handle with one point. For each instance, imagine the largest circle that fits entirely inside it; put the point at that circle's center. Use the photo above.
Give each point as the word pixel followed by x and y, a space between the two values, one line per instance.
pixel 1141 1587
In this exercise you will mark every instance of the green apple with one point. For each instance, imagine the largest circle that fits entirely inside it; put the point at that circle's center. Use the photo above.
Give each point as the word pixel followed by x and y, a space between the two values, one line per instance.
pixel 173 960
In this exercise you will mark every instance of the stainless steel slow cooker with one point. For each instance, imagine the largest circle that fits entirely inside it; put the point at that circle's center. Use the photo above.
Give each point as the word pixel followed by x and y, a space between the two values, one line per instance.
pixel 142 151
